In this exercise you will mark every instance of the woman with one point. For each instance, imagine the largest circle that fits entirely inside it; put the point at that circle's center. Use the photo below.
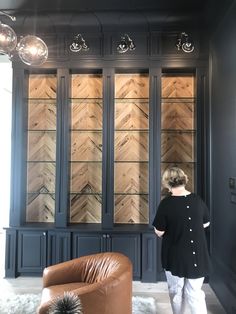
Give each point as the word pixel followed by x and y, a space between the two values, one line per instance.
pixel 180 221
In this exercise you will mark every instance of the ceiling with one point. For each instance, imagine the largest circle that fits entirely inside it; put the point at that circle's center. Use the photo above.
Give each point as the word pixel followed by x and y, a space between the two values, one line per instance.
pixel 103 5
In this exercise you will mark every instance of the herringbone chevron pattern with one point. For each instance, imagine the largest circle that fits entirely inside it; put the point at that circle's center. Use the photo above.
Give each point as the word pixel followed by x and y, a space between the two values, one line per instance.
pixel 178 125
pixel 42 146
pixel 177 86
pixel 41 115
pixel 85 208
pixel 177 147
pixel 131 115
pixel 86 115
pixel 131 146
pixel 86 178
pixel 131 209
pixel 41 176
pixel 40 207
pixel 86 146
pixel 86 86
pixel 131 86
pixel 131 177
pixel 177 116
pixel 42 86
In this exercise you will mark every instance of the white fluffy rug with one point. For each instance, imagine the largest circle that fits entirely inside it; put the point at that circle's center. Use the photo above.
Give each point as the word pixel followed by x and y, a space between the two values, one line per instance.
pixel 28 303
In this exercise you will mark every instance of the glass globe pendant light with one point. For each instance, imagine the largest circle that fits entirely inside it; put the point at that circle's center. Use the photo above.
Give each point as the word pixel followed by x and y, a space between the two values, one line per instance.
pixel 32 50
pixel 8 39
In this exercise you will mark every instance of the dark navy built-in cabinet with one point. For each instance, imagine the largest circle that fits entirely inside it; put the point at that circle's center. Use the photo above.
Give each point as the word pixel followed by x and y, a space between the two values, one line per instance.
pixel 92 132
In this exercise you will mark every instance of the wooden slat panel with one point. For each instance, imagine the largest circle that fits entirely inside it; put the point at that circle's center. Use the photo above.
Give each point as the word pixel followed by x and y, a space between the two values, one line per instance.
pixel 40 208
pixel 42 146
pixel 188 168
pixel 177 116
pixel 131 209
pixel 41 116
pixel 85 208
pixel 177 86
pixel 131 177
pixel 87 115
pixel 131 146
pixel 86 146
pixel 177 147
pixel 86 177
pixel 41 176
pixel 86 86
pixel 131 115
pixel 131 86
pixel 42 86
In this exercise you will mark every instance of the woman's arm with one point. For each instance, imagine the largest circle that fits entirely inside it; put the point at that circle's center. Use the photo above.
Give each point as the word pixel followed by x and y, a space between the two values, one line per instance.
pixel 158 232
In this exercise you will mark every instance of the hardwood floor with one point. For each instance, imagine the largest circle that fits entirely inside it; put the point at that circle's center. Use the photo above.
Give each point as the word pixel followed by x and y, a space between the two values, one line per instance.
pixel 159 291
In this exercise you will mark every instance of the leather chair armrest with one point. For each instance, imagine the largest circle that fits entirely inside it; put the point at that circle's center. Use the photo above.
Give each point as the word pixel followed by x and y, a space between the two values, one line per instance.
pixel 62 273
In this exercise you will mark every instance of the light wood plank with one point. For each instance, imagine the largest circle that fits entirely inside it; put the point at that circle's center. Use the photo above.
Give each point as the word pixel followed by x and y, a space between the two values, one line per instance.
pixel 131 177
pixel 86 146
pixel 86 178
pixel 42 86
pixel 41 175
pixel 87 115
pixel 85 208
pixel 131 86
pixel 177 86
pixel 40 208
pixel 131 209
pixel 42 146
pixel 86 86
pixel 42 116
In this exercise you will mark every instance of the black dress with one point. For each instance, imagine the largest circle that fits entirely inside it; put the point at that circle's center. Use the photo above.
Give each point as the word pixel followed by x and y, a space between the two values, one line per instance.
pixel 184 247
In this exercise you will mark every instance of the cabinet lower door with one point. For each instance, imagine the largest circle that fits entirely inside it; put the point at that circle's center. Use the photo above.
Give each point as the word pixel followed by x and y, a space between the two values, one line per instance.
pixel 129 245
pixel 86 244
pixel 31 252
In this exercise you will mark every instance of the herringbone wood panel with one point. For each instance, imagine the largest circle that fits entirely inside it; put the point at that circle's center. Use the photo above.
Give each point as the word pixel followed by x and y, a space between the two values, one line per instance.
pixel 177 86
pixel 40 208
pixel 86 86
pixel 131 115
pixel 131 209
pixel 86 178
pixel 85 208
pixel 41 175
pixel 41 116
pixel 86 146
pixel 177 116
pixel 42 86
pixel 42 146
pixel 177 147
pixel 131 177
pixel 131 146
pixel 131 86
pixel 86 115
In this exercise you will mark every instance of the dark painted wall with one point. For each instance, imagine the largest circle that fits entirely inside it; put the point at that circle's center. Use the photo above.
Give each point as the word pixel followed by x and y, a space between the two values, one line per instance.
pixel 223 131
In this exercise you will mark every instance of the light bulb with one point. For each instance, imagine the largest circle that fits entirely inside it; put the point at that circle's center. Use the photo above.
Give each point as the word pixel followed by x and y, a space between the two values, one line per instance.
pixel 8 39
pixel 32 50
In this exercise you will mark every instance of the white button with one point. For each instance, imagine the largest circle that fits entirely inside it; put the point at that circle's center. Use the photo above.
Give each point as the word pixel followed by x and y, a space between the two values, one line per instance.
pixel 195 265
pixel 194 253
pixel 190 230
pixel 191 241
pixel 187 206
pixel 189 218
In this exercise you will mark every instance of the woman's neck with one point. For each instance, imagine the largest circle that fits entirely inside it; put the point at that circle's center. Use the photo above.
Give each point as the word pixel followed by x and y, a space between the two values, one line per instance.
pixel 179 191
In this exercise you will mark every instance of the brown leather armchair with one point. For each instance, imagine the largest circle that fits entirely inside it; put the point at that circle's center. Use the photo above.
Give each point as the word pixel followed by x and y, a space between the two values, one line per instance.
pixel 102 281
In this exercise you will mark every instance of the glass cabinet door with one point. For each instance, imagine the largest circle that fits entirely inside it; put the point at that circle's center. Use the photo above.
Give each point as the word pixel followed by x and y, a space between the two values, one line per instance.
pixel 86 148
pixel 41 152
pixel 178 135
pixel 131 147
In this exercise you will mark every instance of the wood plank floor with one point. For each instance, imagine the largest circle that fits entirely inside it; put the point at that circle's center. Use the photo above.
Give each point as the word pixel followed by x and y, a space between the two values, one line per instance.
pixel 159 291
